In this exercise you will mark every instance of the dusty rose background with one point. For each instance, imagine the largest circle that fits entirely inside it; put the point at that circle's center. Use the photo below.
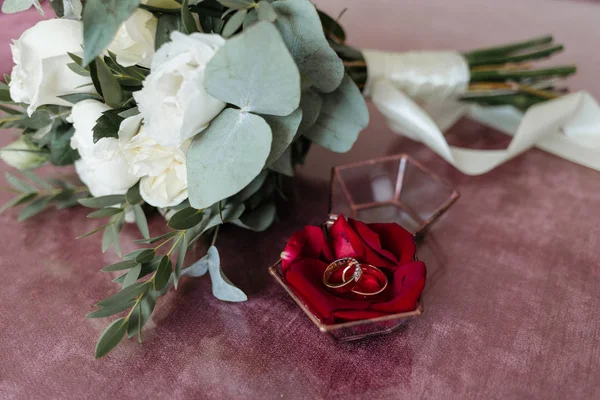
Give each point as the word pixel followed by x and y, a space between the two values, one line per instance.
pixel 511 304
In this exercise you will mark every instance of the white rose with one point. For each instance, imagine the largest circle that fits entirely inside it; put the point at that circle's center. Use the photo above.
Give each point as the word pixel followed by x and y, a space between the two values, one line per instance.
pixel 40 73
pixel 102 166
pixel 161 168
pixel 134 42
pixel 28 158
pixel 174 103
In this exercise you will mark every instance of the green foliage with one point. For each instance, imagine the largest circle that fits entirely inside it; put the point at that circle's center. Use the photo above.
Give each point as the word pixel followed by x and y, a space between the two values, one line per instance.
pixel 107 126
pixel 101 20
pixel 284 131
pixel 255 72
pixel 36 195
pixel 227 156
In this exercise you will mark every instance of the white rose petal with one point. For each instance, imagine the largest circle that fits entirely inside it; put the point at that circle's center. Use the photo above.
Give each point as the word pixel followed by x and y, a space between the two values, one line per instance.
pixel 166 190
pixel 41 73
pixel 102 166
pixel 134 41
pixel 174 103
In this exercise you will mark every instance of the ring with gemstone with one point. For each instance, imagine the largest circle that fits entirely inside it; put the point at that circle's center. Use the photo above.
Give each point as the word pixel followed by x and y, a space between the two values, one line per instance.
pixel 345 265
pixel 376 273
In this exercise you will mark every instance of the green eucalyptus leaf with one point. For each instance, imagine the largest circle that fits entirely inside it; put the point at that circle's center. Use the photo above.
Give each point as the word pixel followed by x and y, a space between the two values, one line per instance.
pixel 132 112
pixel 187 19
pixel 35 207
pixel 226 157
pixel 234 23
pixel 61 152
pixel 237 4
pixel 284 131
pixel 222 287
pixel 300 26
pixel 109 238
pixel 252 188
pixel 105 212
pixel 141 221
pixel 258 220
pixel 18 200
pixel 120 266
pixel 19 184
pixel 110 337
pixel 103 201
pixel 181 251
pixel 283 164
pixel 153 240
pixel 15 6
pixel 186 218
pixel 265 11
pixel 254 71
pixel 77 97
pixel 163 273
pixel 343 115
pixel 167 23
pixel 132 276
pixel 125 295
pixel 111 90
pixel 101 20
pixel 145 256
pixel 332 28
pixel 251 19
pixel 133 196
pixel 142 315
pixel 311 104
pixel 112 310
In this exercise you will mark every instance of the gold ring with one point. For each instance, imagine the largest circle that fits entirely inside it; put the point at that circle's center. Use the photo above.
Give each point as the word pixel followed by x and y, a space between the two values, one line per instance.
pixel 348 264
pixel 376 273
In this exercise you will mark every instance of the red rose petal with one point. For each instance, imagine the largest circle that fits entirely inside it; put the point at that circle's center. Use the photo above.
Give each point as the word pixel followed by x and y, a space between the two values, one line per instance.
pixel 346 242
pixel 304 277
pixel 406 287
pixel 371 239
pixel 397 240
pixel 307 243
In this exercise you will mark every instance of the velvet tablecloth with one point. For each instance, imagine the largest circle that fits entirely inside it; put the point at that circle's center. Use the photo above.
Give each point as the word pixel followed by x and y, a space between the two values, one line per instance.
pixel 511 303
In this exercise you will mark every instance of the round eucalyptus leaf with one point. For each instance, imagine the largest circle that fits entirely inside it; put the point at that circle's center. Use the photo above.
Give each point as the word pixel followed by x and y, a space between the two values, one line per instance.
pixel 284 130
pixel 227 156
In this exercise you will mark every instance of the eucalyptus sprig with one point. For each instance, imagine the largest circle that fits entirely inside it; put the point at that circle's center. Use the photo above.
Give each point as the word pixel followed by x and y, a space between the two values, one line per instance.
pixel 36 194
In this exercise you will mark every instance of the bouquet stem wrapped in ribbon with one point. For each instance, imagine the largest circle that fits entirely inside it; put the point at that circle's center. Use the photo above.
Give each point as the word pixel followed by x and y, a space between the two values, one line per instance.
pixel 199 108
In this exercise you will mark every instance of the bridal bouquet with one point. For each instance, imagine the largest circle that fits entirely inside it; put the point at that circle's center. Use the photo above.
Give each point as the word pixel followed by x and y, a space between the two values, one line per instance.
pixel 197 108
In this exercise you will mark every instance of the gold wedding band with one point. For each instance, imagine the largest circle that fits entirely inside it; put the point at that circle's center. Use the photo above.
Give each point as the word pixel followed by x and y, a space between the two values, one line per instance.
pixel 373 271
pixel 348 264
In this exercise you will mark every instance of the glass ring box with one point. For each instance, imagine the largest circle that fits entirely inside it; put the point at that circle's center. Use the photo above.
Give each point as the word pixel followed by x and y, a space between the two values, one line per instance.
pixel 388 189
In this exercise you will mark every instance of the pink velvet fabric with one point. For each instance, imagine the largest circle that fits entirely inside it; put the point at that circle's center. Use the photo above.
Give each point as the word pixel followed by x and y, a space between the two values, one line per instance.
pixel 511 303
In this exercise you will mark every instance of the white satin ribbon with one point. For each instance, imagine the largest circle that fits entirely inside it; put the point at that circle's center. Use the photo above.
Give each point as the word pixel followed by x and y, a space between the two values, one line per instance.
pixel 568 127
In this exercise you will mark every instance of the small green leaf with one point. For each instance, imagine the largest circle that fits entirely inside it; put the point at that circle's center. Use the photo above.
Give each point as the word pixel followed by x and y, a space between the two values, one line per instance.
pixel 120 266
pixel 181 250
pixel 77 97
pixel 34 208
pixel 105 212
pixel 234 23
pixel 186 218
pixel 145 256
pixel 132 276
pixel 227 156
pixel 78 69
pixel 24 198
pixel 167 23
pixel 108 311
pixel 133 195
pixel 109 238
pixel 142 314
pixel 61 152
pixel 252 188
pixel 255 71
pixel 111 90
pixel 132 112
pixel 265 11
pixel 163 273
pixel 107 126
pixel 111 337
pixel 260 219
pixel 18 184
pixel 125 295
pixel 156 239
pixel 237 4
pixel 284 131
pixel 103 201
pixel 187 19
pixel 101 20
pixel 222 287
pixel 283 164
pixel 140 220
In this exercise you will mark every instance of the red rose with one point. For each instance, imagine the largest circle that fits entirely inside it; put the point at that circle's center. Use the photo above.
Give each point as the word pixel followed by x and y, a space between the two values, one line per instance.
pixel 389 247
